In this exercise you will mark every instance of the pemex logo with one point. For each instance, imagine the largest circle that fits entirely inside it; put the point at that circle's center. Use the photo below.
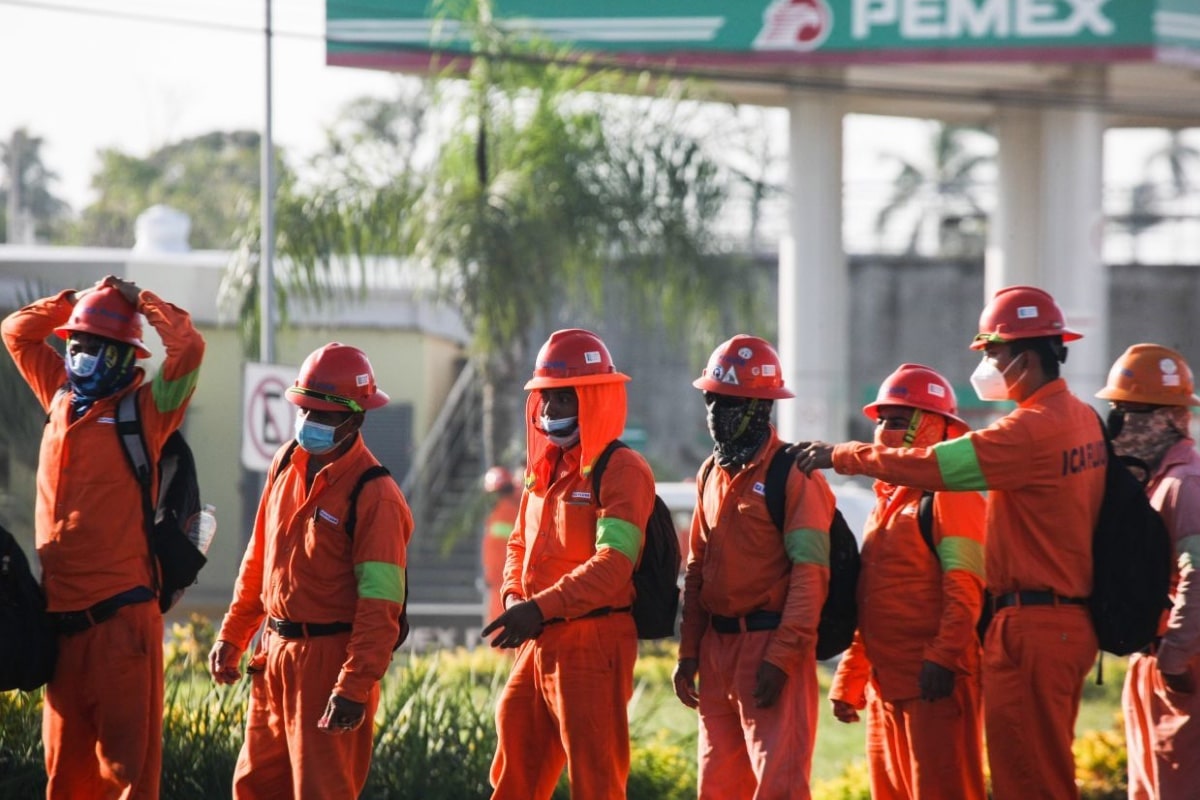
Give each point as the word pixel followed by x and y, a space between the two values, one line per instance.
pixel 794 25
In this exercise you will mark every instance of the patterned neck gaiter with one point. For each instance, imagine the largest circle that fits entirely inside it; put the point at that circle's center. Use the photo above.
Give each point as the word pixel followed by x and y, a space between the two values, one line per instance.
pixel 738 426
pixel 106 373
pixel 1148 436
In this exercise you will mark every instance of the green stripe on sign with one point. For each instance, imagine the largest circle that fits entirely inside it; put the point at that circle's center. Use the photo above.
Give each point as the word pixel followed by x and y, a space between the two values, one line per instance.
pixel 959 552
pixel 807 546
pixel 380 580
pixel 622 536
pixel 959 465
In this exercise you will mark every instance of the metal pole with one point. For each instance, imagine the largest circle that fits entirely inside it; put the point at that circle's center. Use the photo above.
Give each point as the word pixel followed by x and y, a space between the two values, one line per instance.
pixel 266 273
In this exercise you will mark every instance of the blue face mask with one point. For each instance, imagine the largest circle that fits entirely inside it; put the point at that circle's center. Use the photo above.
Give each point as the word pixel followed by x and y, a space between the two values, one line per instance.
pixel 557 427
pixel 82 365
pixel 315 437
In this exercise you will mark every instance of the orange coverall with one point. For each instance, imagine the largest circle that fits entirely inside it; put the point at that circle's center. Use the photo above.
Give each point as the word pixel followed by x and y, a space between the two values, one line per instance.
pixel 915 606
pixel 566 698
pixel 494 550
pixel 300 565
pixel 1043 467
pixel 739 563
pixel 102 720
pixel 1162 727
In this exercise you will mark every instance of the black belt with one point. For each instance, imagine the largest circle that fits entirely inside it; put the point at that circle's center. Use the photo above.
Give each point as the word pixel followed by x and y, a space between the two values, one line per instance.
pixel 68 622
pixel 1035 598
pixel 306 630
pixel 754 621
pixel 603 611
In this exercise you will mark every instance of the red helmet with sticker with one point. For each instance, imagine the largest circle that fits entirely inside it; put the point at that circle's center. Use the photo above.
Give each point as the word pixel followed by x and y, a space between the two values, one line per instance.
pixel 916 386
pixel 573 357
pixel 105 312
pixel 336 377
pixel 744 366
pixel 1021 312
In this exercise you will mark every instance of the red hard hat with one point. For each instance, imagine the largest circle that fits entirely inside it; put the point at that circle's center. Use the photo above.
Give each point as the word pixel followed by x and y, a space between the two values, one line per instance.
pixel 105 312
pixel 1021 312
pixel 337 377
pixel 1153 374
pixel 573 357
pixel 498 479
pixel 744 366
pixel 916 386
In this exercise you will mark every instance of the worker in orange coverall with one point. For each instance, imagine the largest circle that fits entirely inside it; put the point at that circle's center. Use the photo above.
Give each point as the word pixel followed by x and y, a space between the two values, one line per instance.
pixel 497 482
pixel 914 663
pixel 330 592
pixel 102 718
pixel 1043 465
pixel 752 595
pixel 568 583
pixel 1150 389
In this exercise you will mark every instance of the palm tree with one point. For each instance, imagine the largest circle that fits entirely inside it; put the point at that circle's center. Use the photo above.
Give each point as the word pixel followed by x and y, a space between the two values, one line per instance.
pixel 943 189
pixel 546 190
pixel 1181 158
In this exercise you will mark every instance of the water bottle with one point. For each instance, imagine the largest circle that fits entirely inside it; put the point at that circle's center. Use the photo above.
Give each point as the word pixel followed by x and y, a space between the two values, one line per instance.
pixel 202 526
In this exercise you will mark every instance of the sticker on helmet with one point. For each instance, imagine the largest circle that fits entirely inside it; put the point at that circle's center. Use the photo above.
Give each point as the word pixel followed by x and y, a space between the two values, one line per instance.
pixel 745 352
pixel 728 376
pixel 936 389
pixel 591 357
pixel 1027 312
pixel 362 380
pixel 768 370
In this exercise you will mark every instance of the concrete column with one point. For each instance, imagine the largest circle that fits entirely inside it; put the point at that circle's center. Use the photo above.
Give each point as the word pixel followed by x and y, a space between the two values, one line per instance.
pixel 1050 217
pixel 813 307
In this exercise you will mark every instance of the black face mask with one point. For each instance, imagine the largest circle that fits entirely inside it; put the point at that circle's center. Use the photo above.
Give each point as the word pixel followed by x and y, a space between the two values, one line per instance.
pixel 738 426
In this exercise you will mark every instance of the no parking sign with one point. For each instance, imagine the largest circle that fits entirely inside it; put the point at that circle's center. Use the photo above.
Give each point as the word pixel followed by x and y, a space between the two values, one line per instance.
pixel 267 416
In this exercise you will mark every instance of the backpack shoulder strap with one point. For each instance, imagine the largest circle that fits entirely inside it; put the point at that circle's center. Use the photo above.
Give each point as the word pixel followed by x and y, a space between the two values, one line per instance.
pixel 284 460
pixel 925 520
pixel 602 464
pixel 369 474
pixel 133 443
pixel 775 486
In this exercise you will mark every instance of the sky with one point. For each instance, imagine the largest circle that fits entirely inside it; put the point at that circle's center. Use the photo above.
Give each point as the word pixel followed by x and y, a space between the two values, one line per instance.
pixel 137 74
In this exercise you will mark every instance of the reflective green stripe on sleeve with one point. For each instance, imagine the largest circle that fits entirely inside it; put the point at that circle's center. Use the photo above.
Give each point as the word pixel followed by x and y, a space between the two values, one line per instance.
pixel 959 552
pixel 625 537
pixel 170 395
pixel 1188 551
pixel 500 530
pixel 380 580
pixel 807 546
pixel 959 465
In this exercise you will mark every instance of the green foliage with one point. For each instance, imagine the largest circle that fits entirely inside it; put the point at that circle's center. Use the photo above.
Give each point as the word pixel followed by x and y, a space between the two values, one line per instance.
pixel 213 178
pixel 22 773
pixel 23 168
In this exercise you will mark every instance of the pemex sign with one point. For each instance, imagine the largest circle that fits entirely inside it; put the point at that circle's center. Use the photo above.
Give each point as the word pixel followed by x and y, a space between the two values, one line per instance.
pixel 402 33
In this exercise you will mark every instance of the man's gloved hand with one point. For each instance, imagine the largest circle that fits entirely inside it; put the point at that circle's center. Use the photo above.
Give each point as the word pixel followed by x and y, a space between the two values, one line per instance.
pixel 935 681
pixel 341 715
pixel 768 685
pixel 685 682
pixel 844 712
pixel 522 621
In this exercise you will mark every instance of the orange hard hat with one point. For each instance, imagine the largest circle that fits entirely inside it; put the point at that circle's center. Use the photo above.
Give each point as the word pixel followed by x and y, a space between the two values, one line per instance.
pixel 336 377
pixel 744 366
pixel 1153 374
pixel 105 312
pixel 916 386
pixel 573 357
pixel 1021 312
pixel 498 479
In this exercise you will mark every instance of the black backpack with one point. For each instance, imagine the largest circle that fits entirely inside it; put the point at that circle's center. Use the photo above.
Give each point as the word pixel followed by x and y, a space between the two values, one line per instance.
pixel 179 560
pixel 1131 562
pixel 839 614
pixel 28 643
pixel 351 522
pixel 656 578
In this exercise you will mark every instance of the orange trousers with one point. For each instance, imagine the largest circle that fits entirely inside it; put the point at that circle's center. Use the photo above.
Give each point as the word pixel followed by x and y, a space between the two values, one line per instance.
pixel 566 702
pixel 746 752
pixel 919 750
pixel 284 754
pixel 1035 661
pixel 1162 734
pixel 102 720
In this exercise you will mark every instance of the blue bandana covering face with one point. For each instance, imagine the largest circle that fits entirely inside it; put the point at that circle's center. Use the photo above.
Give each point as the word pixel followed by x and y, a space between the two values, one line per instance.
pixel 109 370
